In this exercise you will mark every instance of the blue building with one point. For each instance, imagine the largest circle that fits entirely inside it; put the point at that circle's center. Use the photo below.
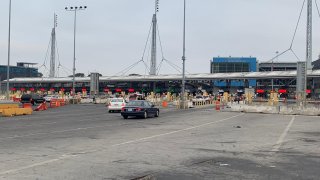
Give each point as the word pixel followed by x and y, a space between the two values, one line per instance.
pixel 21 70
pixel 233 65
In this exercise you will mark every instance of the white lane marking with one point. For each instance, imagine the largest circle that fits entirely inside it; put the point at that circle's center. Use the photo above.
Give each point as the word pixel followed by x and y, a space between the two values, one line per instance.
pixel 53 132
pixel 174 132
pixel 67 156
pixel 44 116
pixel 36 164
pixel 277 146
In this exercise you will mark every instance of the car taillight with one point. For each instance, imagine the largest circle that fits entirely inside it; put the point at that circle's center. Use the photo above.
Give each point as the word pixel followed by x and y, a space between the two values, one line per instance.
pixel 122 109
pixel 122 104
pixel 138 109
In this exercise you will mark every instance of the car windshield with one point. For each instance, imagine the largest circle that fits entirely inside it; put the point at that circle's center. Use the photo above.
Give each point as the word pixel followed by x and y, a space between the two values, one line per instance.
pixel 116 100
pixel 36 96
pixel 135 103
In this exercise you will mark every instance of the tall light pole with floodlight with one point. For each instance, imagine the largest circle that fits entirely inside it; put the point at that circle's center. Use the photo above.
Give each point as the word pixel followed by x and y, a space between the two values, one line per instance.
pixel 74 9
pixel 183 89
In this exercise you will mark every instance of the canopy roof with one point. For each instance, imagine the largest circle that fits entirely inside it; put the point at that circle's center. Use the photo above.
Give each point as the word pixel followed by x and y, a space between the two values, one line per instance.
pixel 203 76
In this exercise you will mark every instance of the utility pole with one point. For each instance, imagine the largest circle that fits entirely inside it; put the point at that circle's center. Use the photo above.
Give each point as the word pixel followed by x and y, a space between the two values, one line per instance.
pixel 9 48
pixel 184 58
pixel 53 49
pixel 153 65
pixel 308 51
pixel 309 37
pixel 303 67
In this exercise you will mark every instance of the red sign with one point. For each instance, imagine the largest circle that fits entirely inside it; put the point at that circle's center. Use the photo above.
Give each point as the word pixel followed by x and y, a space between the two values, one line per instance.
pixel 32 89
pixel 62 89
pixel 260 91
pixel 22 89
pixel 106 90
pixel 13 89
pixel 131 90
pixel 84 90
pixel 308 91
pixel 51 89
pixel 118 90
pixel 282 91
pixel 42 89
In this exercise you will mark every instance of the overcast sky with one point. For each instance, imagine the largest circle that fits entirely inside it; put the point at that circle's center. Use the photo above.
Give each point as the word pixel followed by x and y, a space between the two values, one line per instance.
pixel 111 34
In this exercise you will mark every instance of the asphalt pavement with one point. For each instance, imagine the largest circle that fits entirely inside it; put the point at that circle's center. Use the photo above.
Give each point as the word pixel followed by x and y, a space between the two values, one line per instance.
pixel 87 142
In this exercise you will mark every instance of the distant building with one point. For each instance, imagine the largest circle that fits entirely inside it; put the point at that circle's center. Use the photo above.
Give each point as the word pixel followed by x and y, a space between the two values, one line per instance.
pixel 316 64
pixel 21 70
pixel 277 66
pixel 231 65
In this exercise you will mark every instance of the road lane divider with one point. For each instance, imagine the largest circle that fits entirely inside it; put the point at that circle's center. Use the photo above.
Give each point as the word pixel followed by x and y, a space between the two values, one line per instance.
pixel 280 141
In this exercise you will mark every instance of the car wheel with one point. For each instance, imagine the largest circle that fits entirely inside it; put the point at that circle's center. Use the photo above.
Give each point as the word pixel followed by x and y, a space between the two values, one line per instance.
pixel 145 116
pixel 125 117
pixel 157 114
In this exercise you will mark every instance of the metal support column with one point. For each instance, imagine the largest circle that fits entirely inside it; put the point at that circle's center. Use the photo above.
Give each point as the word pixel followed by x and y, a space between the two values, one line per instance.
pixel 309 37
pixel 153 65
pixel 9 48
pixel 53 49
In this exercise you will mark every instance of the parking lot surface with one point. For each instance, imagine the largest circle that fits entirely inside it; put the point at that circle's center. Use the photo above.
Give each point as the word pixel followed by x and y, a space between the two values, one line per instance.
pixel 87 142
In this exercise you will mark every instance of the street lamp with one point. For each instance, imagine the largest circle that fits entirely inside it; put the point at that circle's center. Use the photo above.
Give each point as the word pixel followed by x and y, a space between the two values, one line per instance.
pixel 74 9
pixel 9 46
pixel 184 57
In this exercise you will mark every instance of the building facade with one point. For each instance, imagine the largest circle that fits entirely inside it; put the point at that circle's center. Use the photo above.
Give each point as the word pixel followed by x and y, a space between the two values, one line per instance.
pixel 277 66
pixel 21 70
pixel 233 65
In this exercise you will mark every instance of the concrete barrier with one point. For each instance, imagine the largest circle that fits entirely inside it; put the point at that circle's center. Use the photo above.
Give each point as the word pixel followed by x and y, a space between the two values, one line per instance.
pixel 203 103
pixel 285 110
pixel 86 101
pixel 8 106
pixel 101 101
pixel 16 112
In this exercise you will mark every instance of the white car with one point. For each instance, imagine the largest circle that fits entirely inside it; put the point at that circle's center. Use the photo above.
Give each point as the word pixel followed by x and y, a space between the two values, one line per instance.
pixel 49 97
pixel 198 99
pixel 116 104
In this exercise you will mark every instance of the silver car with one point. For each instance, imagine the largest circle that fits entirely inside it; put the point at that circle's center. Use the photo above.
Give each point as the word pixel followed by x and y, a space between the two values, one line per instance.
pixel 116 104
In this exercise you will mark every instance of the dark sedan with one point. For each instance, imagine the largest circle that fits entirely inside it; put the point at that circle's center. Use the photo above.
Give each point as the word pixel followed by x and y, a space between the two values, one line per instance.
pixel 32 98
pixel 139 108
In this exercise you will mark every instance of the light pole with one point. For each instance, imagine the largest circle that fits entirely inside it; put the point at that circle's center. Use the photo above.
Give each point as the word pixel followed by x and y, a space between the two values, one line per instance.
pixel 9 46
pixel 272 81
pixel 184 57
pixel 74 9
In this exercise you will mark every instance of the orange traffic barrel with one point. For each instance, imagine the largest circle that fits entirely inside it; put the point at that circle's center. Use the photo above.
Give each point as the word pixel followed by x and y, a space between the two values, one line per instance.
pixel 218 105
pixel 27 105
pixel 164 104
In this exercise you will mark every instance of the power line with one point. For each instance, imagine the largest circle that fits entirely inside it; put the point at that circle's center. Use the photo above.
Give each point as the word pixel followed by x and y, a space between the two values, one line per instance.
pixel 295 31
pixel 293 38
pixel 317 7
